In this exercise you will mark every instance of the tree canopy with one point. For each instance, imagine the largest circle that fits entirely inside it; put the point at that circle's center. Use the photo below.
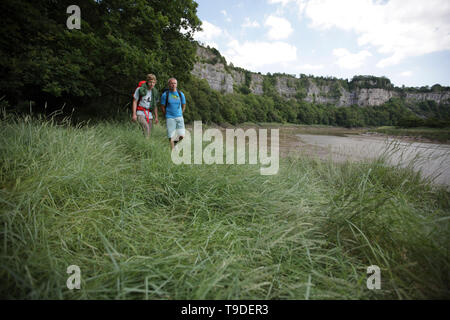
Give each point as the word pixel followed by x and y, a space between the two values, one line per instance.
pixel 118 43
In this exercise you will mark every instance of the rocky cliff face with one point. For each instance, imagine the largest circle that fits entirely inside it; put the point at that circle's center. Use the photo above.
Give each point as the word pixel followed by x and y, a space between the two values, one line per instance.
pixel 438 97
pixel 216 76
pixel 373 97
pixel 211 68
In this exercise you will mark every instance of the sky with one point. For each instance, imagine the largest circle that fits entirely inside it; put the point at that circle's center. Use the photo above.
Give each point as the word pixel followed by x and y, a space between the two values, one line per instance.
pixel 407 41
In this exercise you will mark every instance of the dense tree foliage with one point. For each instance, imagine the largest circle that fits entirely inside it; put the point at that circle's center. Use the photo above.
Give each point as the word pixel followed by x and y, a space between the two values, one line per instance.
pixel 97 67
pixel 368 82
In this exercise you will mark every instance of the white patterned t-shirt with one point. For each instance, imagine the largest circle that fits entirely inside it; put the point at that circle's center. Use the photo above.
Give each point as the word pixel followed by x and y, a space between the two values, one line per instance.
pixel 145 101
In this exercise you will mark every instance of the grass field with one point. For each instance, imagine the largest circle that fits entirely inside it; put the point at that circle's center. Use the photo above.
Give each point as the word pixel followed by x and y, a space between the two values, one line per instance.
pixel 140 227
pixel 437 134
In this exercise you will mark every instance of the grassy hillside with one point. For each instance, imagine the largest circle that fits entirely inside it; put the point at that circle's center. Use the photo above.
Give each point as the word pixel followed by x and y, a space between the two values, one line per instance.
pixel 139 227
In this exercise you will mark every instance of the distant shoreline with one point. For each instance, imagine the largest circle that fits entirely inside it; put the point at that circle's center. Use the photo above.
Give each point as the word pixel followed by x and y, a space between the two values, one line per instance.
pixel 425 135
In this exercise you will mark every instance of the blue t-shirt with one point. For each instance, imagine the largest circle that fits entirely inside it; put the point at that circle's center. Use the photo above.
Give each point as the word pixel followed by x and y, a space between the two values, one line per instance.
pixel 173 109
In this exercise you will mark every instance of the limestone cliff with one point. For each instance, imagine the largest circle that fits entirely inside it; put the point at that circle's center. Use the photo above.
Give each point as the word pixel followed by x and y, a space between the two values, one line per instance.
pixel 363 91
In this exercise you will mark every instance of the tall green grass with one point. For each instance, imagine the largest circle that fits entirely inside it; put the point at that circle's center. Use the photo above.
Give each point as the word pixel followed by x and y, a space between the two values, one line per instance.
pixel 139 227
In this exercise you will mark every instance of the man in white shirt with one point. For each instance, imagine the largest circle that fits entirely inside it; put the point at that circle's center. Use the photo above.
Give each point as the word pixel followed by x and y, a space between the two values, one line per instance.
pixel 145 101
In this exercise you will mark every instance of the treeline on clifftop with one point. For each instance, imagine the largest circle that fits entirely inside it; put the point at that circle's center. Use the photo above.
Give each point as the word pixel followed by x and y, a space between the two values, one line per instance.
pixel 93 71
pixel 213 106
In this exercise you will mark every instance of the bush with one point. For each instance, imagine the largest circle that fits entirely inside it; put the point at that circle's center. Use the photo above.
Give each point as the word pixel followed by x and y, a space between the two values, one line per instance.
pixel 411 122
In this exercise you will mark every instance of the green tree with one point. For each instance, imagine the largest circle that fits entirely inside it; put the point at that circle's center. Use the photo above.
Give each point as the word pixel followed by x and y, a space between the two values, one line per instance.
pixel 98 66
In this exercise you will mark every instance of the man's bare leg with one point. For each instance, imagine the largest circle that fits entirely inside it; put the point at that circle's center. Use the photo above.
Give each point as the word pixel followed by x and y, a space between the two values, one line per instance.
pixel 146 126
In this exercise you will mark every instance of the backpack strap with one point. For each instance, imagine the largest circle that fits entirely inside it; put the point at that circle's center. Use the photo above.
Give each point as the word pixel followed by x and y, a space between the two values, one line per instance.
pixel 167 96
pixel 146 112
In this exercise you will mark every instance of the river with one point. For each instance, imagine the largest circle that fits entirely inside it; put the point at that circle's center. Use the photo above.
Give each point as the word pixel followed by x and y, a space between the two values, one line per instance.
pixel 432 160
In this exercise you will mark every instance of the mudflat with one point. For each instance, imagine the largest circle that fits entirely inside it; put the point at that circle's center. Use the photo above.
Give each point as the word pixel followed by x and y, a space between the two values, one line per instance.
pixel 431 159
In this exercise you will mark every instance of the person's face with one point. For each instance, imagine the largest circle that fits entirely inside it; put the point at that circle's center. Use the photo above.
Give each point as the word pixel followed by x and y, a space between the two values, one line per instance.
pixel 173 85
pixel 151 83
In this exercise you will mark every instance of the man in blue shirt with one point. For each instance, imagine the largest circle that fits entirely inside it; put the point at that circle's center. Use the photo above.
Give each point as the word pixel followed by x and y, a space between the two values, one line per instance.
pixel 174 112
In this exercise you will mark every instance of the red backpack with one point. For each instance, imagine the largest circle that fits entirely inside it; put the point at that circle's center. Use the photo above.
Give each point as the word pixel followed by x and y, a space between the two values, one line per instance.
pixel 140 83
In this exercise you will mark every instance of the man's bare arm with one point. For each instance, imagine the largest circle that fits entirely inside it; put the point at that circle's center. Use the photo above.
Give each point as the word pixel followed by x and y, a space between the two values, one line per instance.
pixel 156 114
pixel 134 117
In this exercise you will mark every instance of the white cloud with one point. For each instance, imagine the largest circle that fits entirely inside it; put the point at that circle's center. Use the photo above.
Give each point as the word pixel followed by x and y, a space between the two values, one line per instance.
pixel 227 18
pixel 406 74
pixel 301 6
pixel 185 30
pixel 283 2
pixel 209 33
pixel 395 28
pixel 311 67
pixel 248 55
pixel 280 28
pixel 280 10
pixel 252 55
pixel 348 60
pixel 250 24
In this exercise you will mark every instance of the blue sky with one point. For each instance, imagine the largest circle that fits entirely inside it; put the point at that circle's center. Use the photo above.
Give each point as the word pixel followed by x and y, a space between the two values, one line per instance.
pixel 406 41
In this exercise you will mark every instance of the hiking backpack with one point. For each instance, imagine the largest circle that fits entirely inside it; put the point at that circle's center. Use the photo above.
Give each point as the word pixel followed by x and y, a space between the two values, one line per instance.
pixel 167 96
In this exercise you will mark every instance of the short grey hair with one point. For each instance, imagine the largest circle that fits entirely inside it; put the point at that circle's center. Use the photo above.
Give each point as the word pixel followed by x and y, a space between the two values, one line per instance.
pixel 172 79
